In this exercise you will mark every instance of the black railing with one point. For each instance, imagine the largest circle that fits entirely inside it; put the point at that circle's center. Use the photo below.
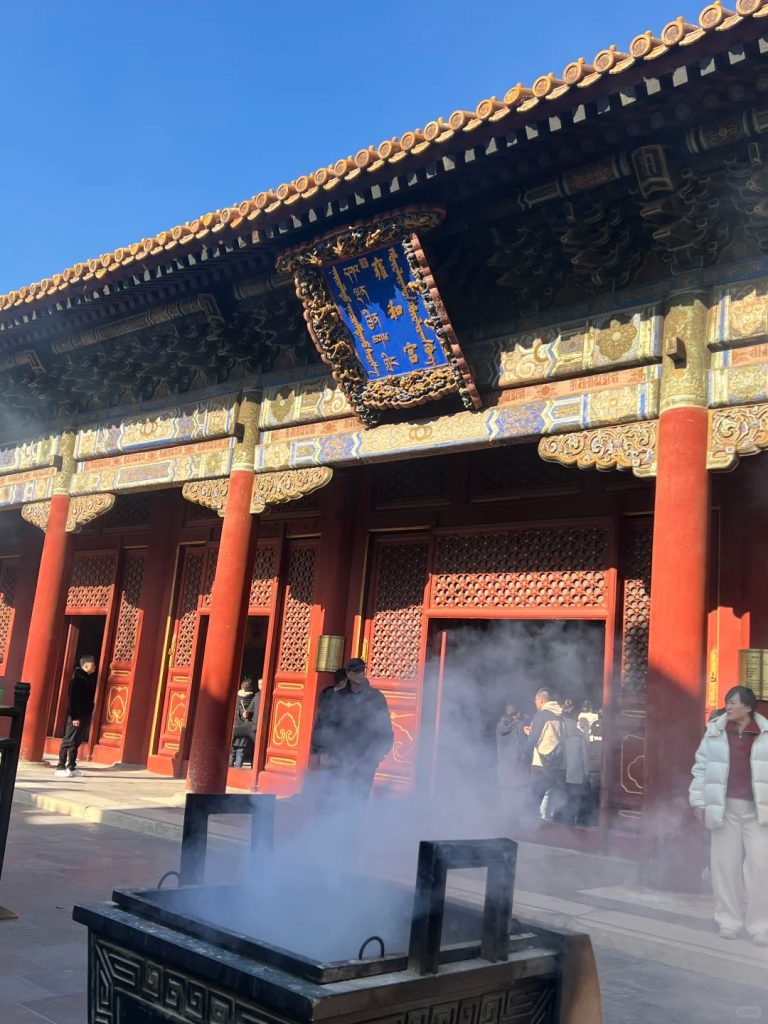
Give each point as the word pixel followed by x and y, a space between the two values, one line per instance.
pixel 9 759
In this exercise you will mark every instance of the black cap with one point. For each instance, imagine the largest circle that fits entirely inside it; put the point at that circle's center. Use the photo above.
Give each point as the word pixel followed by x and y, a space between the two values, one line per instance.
pixel 356 665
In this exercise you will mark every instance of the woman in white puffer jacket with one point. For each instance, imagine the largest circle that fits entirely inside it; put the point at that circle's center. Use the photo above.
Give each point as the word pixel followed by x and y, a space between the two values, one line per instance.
pixel 729 793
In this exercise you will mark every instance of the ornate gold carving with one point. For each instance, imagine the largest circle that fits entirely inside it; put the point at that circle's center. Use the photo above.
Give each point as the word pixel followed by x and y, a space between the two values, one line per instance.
pixel 686 356
pixel 625 446
pixel 37 513
pixel 208 493
pixel 84 510
pixel 276 488
pixel 736 432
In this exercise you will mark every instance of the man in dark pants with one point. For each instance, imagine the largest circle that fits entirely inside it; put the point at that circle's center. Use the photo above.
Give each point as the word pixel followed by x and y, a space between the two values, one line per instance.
pixel 352 733
pixel 82 694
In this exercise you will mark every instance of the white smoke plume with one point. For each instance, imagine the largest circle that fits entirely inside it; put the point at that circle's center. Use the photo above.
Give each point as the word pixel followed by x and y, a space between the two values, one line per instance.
pixel 322 893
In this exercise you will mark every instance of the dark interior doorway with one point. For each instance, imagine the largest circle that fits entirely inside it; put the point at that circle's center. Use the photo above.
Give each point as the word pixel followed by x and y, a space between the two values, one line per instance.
pixel 85 635
pixel 254 656
pixel 479 667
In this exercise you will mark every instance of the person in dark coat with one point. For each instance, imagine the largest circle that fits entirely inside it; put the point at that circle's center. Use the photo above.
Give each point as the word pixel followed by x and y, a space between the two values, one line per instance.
pixel 244 728
pixel 512 758
pixel 323 742
pixel 352 733
pixel 82 697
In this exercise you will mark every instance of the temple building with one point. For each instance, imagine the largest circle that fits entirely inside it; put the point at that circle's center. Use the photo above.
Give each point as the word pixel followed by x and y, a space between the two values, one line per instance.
pixel 501 375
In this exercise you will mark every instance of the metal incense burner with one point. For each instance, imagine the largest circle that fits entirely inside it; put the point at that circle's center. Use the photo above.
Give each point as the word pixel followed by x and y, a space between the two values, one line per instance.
pixel 199 954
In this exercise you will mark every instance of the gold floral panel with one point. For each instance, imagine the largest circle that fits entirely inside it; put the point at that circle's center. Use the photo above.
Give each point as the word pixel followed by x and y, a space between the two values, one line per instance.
pixel 740 314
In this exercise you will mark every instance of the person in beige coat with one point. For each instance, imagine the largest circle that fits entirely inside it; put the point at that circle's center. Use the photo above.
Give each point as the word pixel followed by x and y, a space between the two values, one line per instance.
pixel 729 794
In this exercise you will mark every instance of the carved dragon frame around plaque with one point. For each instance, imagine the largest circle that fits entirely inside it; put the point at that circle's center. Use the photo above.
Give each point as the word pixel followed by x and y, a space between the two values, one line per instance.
pixel 374 312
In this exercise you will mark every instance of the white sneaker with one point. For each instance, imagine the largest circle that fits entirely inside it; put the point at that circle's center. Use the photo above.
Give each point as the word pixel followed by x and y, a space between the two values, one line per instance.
pixel 74 773
pixel 62 773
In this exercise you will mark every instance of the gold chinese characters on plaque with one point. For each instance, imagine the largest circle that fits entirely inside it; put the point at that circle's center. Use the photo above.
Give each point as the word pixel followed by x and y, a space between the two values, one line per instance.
pixel 330 653
pixel 753 671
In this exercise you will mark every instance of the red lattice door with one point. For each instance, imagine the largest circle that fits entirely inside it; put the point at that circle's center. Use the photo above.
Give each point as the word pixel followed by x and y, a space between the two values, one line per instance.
pixel 183 657
pixel 88 610
pixel 290 719
pixel 395 642
pixel 122 657
pixel 626 776
pixel 9 575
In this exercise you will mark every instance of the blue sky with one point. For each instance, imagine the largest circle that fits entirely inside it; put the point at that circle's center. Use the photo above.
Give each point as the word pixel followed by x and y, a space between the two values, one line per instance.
pixel 126 117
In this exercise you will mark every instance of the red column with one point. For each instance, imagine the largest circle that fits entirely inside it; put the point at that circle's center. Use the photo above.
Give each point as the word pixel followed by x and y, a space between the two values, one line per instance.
pixel 209 754
pixel 677 635
pixel 38 660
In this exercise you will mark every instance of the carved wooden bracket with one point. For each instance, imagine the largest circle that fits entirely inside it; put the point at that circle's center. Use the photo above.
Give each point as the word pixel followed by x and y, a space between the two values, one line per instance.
pixel 736 432
pixel 208 493
pixel 288 485
pixel 627 446
pixel 37 513
pixel 82 510
pixel 85 509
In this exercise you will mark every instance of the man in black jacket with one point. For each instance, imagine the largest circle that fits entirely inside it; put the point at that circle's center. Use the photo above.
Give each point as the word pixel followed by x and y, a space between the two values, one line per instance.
pixel 353 732
pixel 82 695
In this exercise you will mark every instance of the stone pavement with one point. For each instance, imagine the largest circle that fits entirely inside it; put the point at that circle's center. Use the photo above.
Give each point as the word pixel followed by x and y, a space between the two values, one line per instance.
pixel 599 895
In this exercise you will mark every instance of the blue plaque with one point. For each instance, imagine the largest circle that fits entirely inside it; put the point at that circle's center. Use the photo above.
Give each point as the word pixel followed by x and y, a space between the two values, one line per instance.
pixel 375 314
pixel 383 308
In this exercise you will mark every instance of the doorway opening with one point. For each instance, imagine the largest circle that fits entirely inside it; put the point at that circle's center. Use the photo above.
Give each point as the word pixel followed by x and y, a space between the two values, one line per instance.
pixel 249 701
pixel 85 635
pixel 479 669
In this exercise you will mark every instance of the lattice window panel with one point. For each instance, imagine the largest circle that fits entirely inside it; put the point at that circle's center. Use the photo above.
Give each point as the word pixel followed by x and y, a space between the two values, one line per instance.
pixel 130 511
pixel 417 481
pixel 130 606
pixel 263 577
pixel 497 472
pixel 556 568
pixel 91 581
pixel 199 513
pixel 394 647
pixel 185 633
pixel 9 575
pixel 294 636
pixel 636 619
pixel 210 575
pixel 310 503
